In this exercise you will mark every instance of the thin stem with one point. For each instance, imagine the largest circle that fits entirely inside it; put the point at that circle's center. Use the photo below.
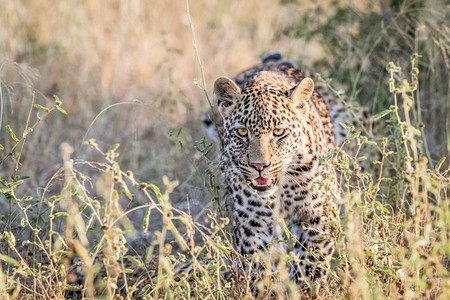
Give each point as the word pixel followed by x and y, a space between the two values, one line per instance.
pixel 25 134
pixel 203 85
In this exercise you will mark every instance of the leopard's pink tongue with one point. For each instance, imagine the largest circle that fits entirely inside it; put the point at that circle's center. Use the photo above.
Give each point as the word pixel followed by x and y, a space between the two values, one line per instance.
pixel 262 181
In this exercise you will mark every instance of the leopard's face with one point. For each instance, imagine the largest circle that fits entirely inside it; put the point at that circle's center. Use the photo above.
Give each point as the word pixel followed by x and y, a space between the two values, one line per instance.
pixel 264 129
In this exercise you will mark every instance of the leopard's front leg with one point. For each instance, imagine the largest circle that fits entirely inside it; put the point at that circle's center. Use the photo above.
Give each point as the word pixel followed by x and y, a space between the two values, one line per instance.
pixel 314 247
pixel 255 230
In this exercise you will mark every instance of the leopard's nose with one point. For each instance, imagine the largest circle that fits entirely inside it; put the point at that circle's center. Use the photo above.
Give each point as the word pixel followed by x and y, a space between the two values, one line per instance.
pixel 259 166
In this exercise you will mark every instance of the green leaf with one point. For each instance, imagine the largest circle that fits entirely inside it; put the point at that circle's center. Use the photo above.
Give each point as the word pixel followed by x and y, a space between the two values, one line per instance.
pixel 61 110
pixel 31 271
pixel 344 126
pixel 381 114
pixel 16 183
pixel 439 164
pixel 11 132
pixel 128 271
pixel 82 207
pixel 221 247
pixel 61 214
pixel 386 179
pixel 156 190
pixel 135 261
pixel 126 191
pixel 93 231
pixel 40 107
pixel 146 220
pixel 179 131
pixel 355 135
pixel 114 147
pixel 72 288
pixel 116 195
pixel 387 270
pixel 1 147
pixel 9 260
pixel 143 291
pixel 8 195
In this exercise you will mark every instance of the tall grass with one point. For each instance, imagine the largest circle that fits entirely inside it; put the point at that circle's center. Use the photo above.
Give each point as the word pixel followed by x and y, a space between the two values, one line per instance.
pixel 79 220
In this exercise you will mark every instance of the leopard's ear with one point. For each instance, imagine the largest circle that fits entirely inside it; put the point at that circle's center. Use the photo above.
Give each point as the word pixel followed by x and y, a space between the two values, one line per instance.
pixel 302 93
pixel 227 92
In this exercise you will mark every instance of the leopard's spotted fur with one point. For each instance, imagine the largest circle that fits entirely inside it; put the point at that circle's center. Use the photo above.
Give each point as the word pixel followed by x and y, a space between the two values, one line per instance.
pixel 276 127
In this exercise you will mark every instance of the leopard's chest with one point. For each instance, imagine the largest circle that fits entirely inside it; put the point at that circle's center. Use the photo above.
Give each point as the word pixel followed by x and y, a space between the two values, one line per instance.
pixel 302 190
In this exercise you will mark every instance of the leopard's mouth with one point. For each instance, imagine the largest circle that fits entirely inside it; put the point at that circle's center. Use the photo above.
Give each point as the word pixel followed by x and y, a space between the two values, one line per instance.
pixel 262 184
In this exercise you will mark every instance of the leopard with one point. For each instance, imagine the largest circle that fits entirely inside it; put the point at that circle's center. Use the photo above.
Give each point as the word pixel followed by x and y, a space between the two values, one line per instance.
pixel 275 131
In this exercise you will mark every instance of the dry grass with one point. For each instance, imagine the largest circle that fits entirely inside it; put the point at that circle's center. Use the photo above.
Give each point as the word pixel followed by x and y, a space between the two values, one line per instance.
pixel 125 72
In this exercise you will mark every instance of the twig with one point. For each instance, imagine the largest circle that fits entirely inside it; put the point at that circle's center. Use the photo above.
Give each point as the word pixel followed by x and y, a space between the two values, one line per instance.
pixel 202 86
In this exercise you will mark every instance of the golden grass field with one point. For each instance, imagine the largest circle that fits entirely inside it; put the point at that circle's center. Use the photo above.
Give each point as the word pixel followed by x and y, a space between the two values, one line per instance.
pixel 139 74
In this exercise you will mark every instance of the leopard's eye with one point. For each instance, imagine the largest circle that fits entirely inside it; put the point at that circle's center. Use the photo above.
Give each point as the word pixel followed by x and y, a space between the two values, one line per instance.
pixel 242 132
pixel 278 131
